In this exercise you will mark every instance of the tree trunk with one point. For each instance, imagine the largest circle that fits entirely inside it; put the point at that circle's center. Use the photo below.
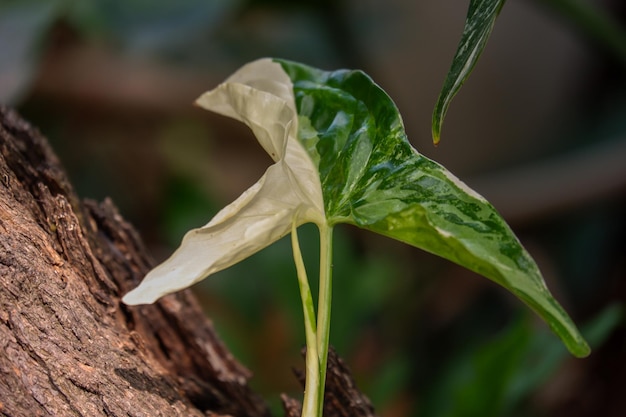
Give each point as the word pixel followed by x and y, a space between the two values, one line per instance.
pixel 68 346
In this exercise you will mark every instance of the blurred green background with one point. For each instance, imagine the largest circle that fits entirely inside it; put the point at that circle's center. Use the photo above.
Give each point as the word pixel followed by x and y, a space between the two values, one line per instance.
pixel 539 129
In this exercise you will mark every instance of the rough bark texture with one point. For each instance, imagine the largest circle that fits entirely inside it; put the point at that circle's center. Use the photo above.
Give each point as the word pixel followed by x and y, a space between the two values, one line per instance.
pixel 342 398
pixel 68 346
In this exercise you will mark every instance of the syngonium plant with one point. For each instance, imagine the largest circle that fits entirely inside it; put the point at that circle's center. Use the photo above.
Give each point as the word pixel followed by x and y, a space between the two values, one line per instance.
pixel 341 155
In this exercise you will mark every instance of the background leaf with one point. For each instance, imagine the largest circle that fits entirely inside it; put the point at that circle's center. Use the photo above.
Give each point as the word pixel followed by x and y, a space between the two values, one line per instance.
pixel 595 23
pixel 479 23
pixel 23 29
pixel 496 376
pixel 373 178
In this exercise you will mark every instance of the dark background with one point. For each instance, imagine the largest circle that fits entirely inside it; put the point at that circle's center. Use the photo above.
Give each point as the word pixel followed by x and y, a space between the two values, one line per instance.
pixel 539 129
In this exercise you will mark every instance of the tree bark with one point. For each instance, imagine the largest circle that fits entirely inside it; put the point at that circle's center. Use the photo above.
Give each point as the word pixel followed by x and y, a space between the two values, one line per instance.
pixel 68 346
pixel 342 397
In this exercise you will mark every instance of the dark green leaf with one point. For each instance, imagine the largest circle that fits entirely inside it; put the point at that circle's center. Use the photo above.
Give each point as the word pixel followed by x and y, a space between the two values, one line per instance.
pixel 373 178
pixel 479 23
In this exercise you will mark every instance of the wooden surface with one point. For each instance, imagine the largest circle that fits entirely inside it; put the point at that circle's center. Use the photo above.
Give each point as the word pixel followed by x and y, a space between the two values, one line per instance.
pixel 67 344
pixel 69 347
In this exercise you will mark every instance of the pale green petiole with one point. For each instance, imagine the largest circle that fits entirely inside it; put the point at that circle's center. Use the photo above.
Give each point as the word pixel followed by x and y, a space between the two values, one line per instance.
pixel 317 336
pixel 324 304
pixel 312 386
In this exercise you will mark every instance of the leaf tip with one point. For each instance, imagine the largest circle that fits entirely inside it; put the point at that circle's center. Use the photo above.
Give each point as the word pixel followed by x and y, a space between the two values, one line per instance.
pixel 436 129
pixel 576 344
pixel 145 293
pixel 581 350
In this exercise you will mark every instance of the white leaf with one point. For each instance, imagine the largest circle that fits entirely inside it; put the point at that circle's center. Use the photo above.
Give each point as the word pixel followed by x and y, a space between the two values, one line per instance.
pixel 260 94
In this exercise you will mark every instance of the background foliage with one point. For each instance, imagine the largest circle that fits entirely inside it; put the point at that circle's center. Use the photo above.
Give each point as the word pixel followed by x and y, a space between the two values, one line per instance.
pixel 539 129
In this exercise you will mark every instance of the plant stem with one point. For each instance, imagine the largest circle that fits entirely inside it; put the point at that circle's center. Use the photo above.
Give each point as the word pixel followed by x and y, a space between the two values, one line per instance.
pixel 324 307
pixel 310 403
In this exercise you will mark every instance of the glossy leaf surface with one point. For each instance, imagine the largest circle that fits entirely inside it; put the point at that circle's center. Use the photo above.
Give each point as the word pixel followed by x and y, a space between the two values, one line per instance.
pixel 341 156
pixel 479 23
pixel 373 178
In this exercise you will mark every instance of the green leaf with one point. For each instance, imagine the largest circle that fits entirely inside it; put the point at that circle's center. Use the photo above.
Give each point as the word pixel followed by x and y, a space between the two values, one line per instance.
pixel 373 178
pixel 476 380
pixel 495 377
pixel 341 156
pixel 479 23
